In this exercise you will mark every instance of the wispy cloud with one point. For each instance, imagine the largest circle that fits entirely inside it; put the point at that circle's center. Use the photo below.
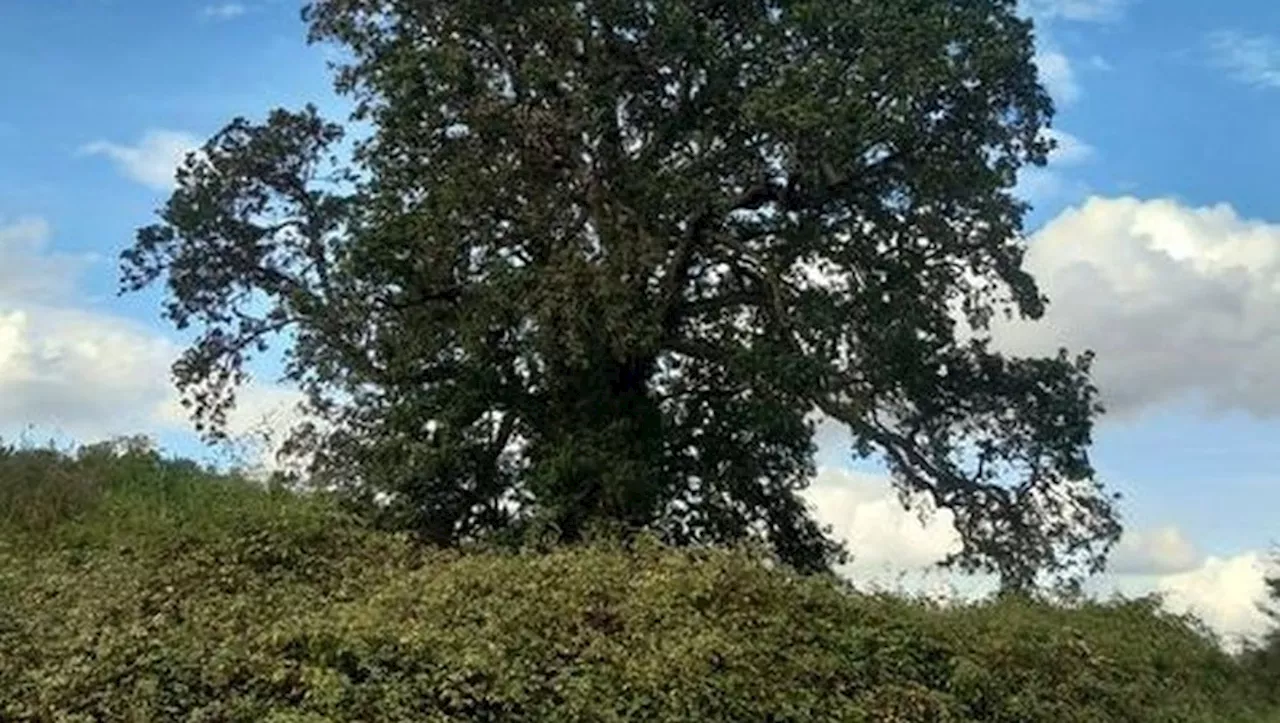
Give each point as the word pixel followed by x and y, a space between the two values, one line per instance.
pixel 152 161
pixel 1250 59
pixel 1069 150
pixel 1057 71
pixel 224 11
pixel 29 271
pixel 1094 11
pixel 1057 76
pixel 1097 62
pixel 1051 183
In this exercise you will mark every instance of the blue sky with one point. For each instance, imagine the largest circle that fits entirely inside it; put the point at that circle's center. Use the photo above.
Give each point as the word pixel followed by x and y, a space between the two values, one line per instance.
pixel 1156 233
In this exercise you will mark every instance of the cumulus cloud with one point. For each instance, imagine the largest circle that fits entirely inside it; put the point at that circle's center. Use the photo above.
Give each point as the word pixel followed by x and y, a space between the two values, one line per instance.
pixel 894 549
pixel 1225 593
pixel 90 375
pixel 75 371
pixel 152 161
pixel 1179 303
pixel 866 512
pixel 59 366
pixel 1250 59
pixel 1161 551
pixel 84 373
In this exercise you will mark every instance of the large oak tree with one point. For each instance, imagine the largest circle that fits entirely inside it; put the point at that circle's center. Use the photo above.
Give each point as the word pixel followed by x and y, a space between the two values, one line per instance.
pixel 601 261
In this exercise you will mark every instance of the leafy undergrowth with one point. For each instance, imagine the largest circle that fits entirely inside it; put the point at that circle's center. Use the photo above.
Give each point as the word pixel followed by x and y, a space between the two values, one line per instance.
pixel 137 589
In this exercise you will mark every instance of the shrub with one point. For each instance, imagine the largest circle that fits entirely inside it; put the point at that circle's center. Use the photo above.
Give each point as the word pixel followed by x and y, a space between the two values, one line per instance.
pixel 174 594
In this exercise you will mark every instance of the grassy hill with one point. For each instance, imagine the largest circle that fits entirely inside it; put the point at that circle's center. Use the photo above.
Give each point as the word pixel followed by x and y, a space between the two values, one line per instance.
pixel 138 589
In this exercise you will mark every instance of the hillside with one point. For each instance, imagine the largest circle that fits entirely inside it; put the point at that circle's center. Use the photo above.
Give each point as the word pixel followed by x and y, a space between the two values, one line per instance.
pixel 136 588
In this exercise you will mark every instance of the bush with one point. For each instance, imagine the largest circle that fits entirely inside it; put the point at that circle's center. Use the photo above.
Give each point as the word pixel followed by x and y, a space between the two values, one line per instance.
pixel 172 594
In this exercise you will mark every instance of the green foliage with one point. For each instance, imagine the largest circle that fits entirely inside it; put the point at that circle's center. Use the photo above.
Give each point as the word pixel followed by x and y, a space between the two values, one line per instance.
pixel 1264 658
pixel 599 261
pixel 125 490
pixel 222 601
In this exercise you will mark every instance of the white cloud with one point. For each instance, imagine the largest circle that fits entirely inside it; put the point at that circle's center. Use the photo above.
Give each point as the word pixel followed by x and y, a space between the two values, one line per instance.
pixel 1075 10
pixel 25 234
pixel 153 161
pixel 1057 71
pixel 73 371
pixel 1179 303
pixel 224 11
pixel 90 375
pixel 257 427
pixel 1223 592
pixel 1049 182
pixel 83 373
pixel 260 425
pixel 1069 149
pixel 1160 551
pixel 894 550
pixel 1097 62
pixel 1250 59
pixel 1044 185
pixel 865 511
pixel 62 367
pixel 1057 75
pixel 27 270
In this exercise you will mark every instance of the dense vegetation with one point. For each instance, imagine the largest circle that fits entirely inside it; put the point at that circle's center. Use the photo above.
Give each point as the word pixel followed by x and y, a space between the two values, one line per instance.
pixel 136 588
pixel 565 312
pixel 577 263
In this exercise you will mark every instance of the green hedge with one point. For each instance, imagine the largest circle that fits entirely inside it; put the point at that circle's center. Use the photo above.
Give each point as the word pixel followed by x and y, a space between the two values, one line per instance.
pixel 170 594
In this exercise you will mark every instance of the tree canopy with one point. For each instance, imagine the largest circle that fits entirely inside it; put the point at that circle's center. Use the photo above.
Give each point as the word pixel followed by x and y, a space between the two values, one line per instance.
pixel 601 261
